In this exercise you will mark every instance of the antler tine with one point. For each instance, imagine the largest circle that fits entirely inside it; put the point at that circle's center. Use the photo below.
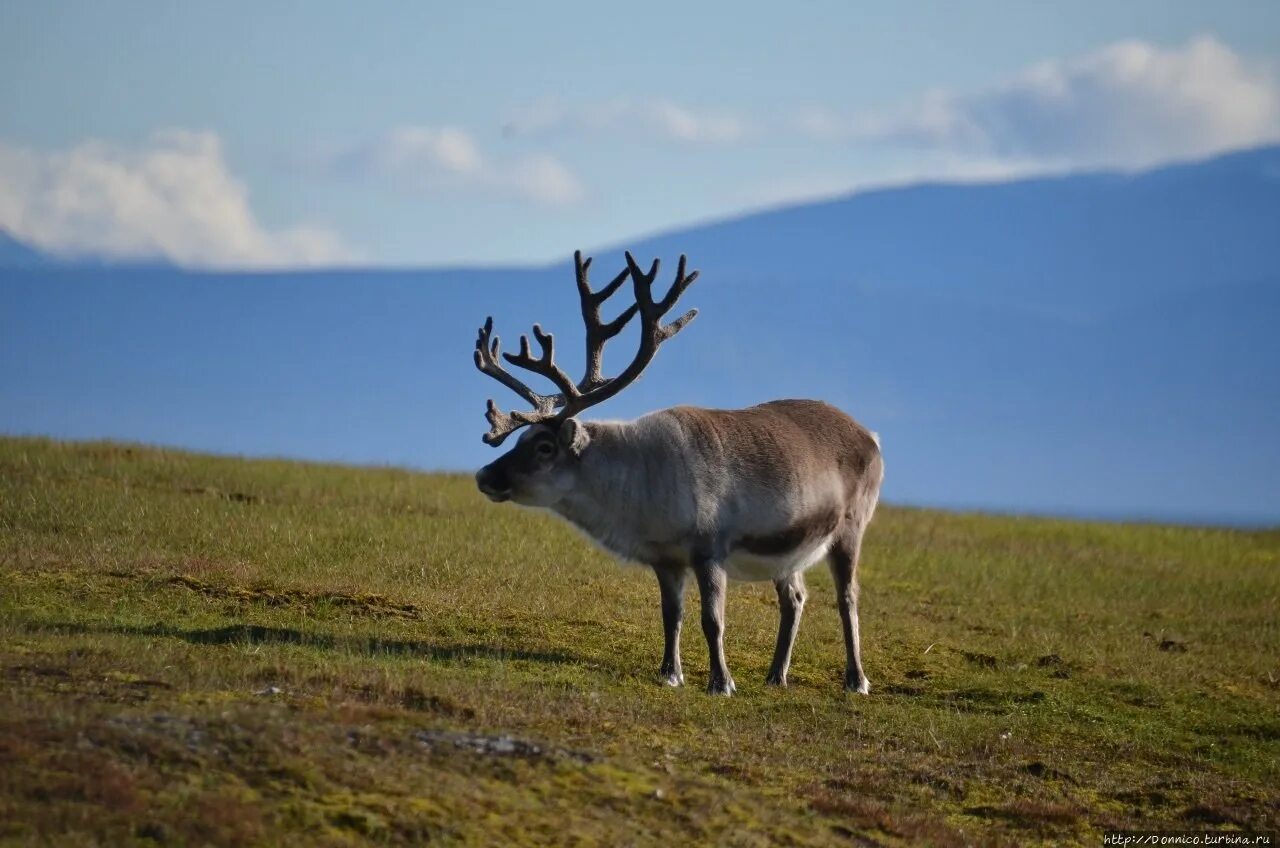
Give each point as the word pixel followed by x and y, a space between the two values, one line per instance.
pixel 681 283
pixel 651 312
pixel 598 331
pixel 545 364
pixel 502 424
pixel 486 359
pixel 584 287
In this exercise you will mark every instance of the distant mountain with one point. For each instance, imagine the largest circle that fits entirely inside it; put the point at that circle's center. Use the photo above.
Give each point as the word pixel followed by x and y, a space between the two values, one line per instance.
pixel 1100 344
pixel 1084 245
pixel 15 254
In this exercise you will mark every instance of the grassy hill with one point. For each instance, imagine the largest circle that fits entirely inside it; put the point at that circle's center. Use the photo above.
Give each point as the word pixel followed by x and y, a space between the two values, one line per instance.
pixel 206 650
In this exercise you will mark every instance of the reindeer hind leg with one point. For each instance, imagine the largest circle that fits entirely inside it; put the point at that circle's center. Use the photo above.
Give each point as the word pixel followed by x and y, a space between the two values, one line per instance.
pixel 844 569
pixel 791 598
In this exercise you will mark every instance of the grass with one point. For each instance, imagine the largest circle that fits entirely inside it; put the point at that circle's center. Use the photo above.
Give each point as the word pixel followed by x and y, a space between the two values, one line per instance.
pixel 201 650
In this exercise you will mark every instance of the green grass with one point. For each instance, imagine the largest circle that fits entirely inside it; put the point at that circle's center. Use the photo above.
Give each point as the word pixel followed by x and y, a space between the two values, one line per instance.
pixel 449 670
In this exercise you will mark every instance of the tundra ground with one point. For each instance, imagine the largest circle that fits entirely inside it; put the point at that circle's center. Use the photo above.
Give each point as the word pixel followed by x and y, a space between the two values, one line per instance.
pixel 199 650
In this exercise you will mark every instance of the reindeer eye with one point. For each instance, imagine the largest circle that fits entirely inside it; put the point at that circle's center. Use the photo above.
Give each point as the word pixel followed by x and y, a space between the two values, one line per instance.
pixel 545 449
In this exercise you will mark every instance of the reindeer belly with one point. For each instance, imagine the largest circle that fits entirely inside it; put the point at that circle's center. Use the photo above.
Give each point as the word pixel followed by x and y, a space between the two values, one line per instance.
pixel 795 547
pixel 745 565
pixel 742 564
pixel 768 554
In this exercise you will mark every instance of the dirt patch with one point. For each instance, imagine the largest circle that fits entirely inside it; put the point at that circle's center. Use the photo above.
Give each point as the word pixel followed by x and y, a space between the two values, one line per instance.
pixel 868 813
pixel 110 686
pixel 988 700
pixel 1143 799
pixel 1044 772
pixel 370 603
pixel 1214 814
pixel 498 746
pixel 1056 666
pixel 980 660
pixel 1168 644
pixel 1030 813
pixel 412 698
pixel 238 497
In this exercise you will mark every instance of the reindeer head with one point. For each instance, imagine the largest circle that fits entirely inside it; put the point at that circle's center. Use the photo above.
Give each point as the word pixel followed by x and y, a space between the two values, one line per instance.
pixel 543 465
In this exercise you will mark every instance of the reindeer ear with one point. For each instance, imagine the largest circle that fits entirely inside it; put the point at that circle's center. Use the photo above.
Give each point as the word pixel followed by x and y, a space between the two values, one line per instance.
pixel 574 436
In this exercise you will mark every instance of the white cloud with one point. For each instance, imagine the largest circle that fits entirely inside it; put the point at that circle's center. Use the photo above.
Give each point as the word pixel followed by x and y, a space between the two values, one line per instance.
pixel 545 178
pixel 1128 104
pixel 448 148
pixel 653 118
pixel 447 160
pixel 173 198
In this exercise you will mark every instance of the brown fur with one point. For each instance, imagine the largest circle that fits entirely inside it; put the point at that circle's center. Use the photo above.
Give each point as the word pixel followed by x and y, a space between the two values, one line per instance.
pixel 781 443
pixel 796 536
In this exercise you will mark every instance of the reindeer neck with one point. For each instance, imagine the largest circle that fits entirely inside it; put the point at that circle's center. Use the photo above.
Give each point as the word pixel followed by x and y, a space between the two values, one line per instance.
pixel 612 487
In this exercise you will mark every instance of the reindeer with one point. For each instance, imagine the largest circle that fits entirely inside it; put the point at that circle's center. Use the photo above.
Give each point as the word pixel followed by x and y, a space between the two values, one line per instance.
pixel 746 494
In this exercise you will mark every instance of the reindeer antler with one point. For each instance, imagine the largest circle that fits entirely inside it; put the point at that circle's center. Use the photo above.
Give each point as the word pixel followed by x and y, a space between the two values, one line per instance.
pixel 593 388
pixel 597 332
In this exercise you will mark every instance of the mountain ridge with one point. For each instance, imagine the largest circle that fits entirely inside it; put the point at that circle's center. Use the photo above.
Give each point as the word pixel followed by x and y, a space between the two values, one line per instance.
pixel 1141 377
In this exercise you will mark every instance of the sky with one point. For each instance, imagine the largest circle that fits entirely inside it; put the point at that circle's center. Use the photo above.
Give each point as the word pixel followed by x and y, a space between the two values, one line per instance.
pixel 250 135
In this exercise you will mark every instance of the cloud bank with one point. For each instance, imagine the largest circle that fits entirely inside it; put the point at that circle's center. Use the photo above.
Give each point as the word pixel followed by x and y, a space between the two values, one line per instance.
pixel 174 198
pixel 1128 104
pixel 448 160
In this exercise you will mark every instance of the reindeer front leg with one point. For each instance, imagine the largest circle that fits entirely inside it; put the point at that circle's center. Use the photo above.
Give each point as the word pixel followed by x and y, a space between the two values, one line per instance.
pixel 671 580
pixel 712 581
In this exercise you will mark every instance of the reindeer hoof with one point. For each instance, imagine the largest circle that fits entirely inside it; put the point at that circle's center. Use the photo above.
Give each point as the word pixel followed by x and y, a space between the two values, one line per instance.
pixel 721 687
pixel 862 687
pixel 776 680
pixel 671 678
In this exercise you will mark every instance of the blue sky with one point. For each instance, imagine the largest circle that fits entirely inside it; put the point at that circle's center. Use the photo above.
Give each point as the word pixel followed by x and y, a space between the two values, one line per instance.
pixel 282 134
